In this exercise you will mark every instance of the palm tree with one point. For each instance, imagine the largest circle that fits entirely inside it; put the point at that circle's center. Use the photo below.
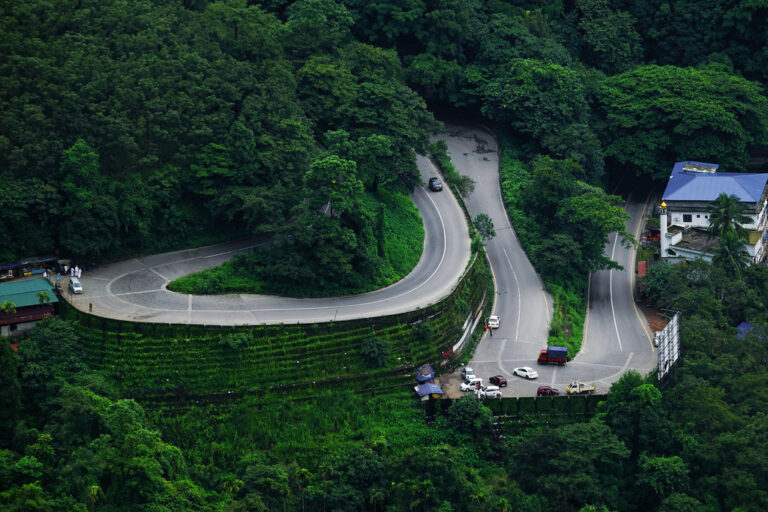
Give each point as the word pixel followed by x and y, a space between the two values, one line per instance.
pixel 93 493
pixel 731 253
pixel 727 215
pixel 7 307
pixel 43 298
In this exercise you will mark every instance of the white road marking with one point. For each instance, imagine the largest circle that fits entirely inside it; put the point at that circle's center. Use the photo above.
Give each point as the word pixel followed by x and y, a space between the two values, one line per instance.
pixel 519 298
pixel 610 293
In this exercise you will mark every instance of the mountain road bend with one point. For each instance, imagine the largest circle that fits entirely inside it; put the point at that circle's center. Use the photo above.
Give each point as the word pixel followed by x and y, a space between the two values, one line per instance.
pixel 135 289
pixel 617 337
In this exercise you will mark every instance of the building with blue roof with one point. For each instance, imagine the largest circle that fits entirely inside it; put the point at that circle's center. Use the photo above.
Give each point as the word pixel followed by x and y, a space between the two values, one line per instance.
pixel 690 192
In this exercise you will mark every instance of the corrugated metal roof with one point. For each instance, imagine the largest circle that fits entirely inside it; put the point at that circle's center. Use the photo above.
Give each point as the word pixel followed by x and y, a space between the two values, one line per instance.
pixel 686 185
pixel 24 292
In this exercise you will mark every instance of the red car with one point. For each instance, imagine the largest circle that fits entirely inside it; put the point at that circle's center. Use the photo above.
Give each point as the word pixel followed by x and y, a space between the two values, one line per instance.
pixel 547 391
pixel 499 380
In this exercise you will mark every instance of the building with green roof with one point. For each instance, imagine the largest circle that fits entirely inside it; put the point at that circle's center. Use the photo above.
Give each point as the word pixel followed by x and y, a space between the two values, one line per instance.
pixel 25 304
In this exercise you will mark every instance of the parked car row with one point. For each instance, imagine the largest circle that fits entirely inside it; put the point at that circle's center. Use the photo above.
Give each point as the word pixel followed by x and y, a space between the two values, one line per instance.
pixel 471 382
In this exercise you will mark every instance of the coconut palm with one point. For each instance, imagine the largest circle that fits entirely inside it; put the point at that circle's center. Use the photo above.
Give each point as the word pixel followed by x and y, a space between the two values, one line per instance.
pixel 727 215
pixel 7 307
pixel 731 253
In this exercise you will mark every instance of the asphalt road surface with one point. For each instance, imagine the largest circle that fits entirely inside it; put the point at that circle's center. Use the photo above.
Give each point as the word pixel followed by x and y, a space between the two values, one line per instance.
pixel 617 337
pixel 135 289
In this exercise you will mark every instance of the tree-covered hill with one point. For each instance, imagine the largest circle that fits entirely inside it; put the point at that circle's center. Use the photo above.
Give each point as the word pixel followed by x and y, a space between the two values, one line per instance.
pixel 138 126
pixel 132 127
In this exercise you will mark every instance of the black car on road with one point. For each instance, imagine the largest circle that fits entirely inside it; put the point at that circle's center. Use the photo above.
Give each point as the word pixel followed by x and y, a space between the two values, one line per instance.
pixel 435 185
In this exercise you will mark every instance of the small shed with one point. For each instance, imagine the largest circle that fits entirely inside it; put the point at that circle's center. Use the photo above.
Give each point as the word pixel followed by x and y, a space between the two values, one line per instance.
pixel 25 296
pixel 429 390
pixel 425 373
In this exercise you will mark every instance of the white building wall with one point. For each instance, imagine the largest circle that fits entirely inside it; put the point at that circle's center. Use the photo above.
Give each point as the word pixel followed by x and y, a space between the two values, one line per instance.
pixel 690 219
pixel 701 219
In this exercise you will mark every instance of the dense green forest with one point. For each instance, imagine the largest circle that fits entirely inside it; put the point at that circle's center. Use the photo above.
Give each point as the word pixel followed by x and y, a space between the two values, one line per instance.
pixel 69 442
pixel 136 127
pixel 141 126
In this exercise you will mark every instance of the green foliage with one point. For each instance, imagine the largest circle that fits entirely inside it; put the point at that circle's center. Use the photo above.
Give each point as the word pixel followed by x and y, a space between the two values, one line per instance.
pixel 535 97
pixel 205 140
pixel 654 115
pixel 611 42
pixel 10 394
pixel 576 465
pixel 7 307
pixel 727 215
pixel 374 351
pixel 236 340
pixel 50 355
pixel 468 416
pixel 392 248
pixel 484 225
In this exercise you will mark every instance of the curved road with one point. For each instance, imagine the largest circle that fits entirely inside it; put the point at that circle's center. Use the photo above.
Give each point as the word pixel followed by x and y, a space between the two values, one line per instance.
pixel 136 289
pixel 616 337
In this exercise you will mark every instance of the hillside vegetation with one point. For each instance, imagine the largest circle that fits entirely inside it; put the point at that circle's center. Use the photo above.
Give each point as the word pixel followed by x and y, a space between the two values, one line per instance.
pixel 138 126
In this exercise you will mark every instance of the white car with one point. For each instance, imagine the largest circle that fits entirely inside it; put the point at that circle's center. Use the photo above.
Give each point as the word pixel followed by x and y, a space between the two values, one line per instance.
pixel 489 393
pixel 75 286
pixel 525 371
pixel 467 372
pixel 471 385
pixel 493 322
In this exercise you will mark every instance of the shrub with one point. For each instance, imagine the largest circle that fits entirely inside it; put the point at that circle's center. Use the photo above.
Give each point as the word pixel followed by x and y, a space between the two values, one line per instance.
pixel 374 351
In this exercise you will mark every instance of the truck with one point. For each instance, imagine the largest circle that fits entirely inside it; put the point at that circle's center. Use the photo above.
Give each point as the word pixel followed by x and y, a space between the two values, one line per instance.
pixel 553 355
pixel 579 388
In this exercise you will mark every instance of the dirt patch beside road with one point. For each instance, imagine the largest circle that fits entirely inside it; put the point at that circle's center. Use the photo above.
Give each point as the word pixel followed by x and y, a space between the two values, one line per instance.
pixel 450 383
pixel 657 320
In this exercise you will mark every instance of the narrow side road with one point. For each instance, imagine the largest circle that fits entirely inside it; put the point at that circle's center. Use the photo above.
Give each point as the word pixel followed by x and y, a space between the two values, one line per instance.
pixel 616 339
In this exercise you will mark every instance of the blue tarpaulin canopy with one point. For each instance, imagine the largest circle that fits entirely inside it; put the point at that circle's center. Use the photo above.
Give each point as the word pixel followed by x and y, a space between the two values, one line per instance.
pixel 743 328
pixel 425 373
pixel 429 389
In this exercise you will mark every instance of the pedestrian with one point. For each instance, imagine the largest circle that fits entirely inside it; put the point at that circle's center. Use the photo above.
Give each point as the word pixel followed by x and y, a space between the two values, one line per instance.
pixel 79 272
pixel 58 276
pixel 66 269
pixel 45 274
pixel 71 271
pixel 490 331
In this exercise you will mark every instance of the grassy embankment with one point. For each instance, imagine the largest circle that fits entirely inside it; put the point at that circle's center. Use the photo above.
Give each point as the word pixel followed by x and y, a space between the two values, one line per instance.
pixel 165 364
pixel 570 297
pixel 402 246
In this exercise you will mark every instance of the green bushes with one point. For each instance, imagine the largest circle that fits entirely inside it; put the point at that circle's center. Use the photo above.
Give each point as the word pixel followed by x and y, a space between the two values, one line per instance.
pixel 397 233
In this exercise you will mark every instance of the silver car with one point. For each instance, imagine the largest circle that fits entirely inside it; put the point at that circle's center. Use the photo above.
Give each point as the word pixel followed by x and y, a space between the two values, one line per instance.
pixel 75 286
